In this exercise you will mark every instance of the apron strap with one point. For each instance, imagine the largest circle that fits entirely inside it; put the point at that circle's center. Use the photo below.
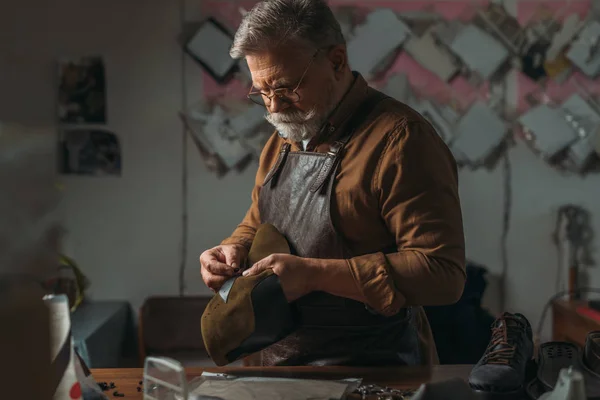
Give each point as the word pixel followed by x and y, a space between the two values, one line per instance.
pixel 337 147
pixel 283 152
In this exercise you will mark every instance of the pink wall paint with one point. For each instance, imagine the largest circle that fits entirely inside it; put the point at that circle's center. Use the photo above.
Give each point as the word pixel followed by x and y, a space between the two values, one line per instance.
pixel 527 11
pixel 422 80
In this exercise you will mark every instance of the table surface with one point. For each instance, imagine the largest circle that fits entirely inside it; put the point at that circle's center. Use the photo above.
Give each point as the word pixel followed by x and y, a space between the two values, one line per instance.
pixel 127 380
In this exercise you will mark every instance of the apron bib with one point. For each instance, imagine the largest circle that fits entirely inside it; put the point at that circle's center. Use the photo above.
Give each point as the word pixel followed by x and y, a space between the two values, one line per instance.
pixel 295 197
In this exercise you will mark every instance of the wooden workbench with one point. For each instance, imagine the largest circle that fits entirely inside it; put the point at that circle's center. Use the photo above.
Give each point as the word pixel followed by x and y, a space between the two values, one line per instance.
pixel 127 380
pixel 570 326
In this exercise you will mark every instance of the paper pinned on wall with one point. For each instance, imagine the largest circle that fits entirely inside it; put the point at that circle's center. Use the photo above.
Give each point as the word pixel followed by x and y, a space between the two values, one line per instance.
pixel 398 87
pixel 227 136
pixel 549 129
pixel 479 51
pixel 474 143
pixel 584 51
pixel 563 37
pixel 82 91
pixel 442 122
pixel 375 41
pixel 210 46
pixel 222 140
pixel 436 59
pixel 496 21
pixel 89 151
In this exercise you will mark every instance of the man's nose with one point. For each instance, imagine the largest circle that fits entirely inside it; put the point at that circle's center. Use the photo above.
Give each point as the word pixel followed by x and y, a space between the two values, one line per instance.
pixel 277 105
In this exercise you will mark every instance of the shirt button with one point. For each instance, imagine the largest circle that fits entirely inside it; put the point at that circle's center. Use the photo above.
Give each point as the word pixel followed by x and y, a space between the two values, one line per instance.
pixel 331 129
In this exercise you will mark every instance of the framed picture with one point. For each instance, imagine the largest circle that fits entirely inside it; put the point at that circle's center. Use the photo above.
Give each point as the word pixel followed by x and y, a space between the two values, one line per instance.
pixel 89 151
pixel 82 91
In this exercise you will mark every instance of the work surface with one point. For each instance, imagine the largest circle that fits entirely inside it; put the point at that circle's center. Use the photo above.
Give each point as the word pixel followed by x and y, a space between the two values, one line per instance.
pixel 127 380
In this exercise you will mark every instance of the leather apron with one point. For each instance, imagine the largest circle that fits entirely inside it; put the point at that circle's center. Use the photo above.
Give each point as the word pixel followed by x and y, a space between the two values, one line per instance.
pixel 295 197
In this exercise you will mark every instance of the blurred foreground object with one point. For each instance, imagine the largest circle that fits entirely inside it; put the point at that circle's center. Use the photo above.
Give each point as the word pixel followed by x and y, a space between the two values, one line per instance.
pixel 68 279
pixel 29 236
pixel 65 384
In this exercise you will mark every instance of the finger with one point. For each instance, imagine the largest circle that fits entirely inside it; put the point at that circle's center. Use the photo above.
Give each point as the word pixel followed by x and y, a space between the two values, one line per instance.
pixel 256 269
pixel 218 268
pixel 210 256
pixel 215 282
pixel 233 257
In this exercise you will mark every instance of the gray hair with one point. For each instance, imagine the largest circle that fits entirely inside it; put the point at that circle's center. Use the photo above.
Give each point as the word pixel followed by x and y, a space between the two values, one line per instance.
pixel 274 23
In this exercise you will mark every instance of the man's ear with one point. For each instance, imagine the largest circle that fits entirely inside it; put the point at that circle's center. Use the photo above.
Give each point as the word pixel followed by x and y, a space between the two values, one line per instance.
pixel 338 59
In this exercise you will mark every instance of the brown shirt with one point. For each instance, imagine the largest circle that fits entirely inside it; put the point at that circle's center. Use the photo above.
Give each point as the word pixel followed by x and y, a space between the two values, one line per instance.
pixel 396 187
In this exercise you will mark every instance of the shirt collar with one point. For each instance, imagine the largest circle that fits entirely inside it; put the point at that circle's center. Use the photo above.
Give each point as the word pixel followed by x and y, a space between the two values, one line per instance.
pixel 346 107
pixel 349 103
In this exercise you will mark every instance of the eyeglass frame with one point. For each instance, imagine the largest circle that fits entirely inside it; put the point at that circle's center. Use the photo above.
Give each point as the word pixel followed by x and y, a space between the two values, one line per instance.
pixel 283 98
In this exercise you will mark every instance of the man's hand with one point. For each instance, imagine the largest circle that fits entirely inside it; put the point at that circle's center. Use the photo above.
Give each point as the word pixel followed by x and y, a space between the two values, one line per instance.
pixel 220 263
pixel 296 274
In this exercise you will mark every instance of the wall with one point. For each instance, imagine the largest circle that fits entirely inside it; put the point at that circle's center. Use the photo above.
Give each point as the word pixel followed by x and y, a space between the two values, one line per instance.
pixel 126 233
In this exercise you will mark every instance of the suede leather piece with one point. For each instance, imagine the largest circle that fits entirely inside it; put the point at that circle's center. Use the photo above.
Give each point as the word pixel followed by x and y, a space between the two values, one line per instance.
pixel 267 241
pixel 226 325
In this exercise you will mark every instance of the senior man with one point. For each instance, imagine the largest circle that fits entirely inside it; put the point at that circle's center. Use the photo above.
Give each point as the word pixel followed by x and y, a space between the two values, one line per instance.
pixel 360 185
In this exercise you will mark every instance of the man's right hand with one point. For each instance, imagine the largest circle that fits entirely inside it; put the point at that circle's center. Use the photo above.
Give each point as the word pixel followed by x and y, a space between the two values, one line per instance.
pixel 220 263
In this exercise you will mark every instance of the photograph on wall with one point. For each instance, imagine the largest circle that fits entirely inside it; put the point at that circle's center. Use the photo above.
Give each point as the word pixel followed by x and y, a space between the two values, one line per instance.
pixel 86 151
pixel 82 91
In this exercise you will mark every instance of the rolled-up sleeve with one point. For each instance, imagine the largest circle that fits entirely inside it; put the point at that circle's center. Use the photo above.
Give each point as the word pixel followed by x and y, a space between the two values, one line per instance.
pixel 416 184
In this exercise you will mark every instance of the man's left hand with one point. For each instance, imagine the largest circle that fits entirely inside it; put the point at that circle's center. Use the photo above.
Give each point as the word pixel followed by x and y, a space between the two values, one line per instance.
pixel 296 274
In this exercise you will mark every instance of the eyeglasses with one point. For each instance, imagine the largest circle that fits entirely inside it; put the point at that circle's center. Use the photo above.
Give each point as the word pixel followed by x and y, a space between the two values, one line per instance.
pixel 284 94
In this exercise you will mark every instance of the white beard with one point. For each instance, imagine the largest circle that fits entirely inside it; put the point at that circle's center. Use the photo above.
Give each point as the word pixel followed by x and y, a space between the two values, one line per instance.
pixel 296 125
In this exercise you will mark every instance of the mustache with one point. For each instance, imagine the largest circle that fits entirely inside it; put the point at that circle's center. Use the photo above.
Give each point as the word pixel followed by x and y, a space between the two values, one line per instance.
pixel 291 117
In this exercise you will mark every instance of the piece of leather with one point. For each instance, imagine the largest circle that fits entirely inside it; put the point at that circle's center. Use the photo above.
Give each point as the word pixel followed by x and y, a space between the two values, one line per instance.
pixel 333 157
pixel 272 318
pixel 280 159
pixel 267 241
pixel 255 312
pixel 302 214
pixel 552 357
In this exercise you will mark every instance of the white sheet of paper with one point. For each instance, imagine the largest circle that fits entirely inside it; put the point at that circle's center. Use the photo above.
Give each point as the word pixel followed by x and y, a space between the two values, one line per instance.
pixel 479 132
pixel 479 50
pixel 271 388
pixel 231 150
pixel 436 59
pixel 376 40
pixel 211 46
pixel 562 38
pixel 579 51
pixel 551 130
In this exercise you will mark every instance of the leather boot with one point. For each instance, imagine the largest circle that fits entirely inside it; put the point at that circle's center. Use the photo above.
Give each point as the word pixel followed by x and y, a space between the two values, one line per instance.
pixel 590 365
pixel 502 368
